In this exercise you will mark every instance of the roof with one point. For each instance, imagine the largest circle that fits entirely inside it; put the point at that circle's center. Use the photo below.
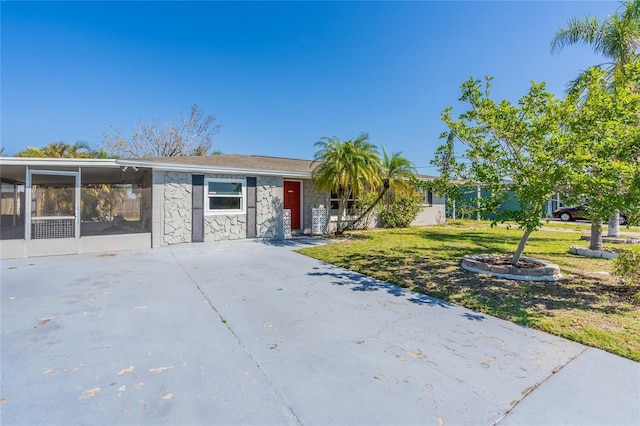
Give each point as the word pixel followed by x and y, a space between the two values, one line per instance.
pixel 236 161
pixel 224 164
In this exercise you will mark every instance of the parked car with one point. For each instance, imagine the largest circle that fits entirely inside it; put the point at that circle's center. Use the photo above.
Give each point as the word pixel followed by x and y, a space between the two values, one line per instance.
pixel 567 214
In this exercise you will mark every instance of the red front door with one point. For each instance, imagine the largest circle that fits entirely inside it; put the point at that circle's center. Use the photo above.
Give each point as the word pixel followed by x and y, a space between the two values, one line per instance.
pixel 292 202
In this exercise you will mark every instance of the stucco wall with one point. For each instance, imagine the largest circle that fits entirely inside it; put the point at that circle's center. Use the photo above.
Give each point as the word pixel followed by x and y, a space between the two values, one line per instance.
pixel 431 215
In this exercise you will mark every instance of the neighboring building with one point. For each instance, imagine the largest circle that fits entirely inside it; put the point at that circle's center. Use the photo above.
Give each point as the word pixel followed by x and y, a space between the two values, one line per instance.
pixel 66 206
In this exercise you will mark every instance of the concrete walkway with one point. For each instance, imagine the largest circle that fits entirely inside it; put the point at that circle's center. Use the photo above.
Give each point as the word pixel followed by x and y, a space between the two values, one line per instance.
pixel 252 333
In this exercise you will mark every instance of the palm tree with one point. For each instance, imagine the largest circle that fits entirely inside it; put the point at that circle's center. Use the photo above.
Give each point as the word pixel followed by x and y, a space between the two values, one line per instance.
pixel 59 150
pixel 346 168
pixel 617 38
pixel 396 173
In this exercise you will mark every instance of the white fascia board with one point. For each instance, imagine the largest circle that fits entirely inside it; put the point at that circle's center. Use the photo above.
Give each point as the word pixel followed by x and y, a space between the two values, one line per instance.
pixel 57 162
pixel 425 178
pixel 214 169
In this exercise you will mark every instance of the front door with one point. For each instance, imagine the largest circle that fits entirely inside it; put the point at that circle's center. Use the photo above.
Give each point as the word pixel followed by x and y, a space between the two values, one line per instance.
pixel 292 202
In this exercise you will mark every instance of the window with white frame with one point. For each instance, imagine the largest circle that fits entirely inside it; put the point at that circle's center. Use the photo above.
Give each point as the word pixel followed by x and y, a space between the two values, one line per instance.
pixel 224 196
pixel 335 204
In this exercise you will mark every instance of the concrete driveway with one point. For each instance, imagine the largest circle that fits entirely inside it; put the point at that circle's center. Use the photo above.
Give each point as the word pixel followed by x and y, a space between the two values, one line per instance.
pixel 253 333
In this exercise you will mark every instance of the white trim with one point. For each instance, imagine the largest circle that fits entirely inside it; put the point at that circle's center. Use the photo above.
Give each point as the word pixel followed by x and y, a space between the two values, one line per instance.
pixel 29 217
pixel 54 172
pixel 52 217
pixel 243 197
pixel 27 211
pixel 159 166
pixel 215 169
pixel 57 162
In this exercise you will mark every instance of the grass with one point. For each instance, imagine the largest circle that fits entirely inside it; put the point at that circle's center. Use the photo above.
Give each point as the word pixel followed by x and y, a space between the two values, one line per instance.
pixel 588 306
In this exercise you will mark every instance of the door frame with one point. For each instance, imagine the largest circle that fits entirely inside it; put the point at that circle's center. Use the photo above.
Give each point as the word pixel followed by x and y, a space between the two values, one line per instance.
pixel 49 246
pixel 301 201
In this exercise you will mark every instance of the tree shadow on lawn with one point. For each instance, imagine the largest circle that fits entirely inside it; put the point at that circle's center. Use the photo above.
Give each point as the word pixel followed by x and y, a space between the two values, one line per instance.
pixel 359 282
pixel 445 279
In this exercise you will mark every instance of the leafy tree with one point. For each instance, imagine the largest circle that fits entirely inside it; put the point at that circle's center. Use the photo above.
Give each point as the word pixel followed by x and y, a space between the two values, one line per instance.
pixel 347 168
pixel 617 38
pixel 60 150
pixel 193 136
pixel 603 126
pixel 510 150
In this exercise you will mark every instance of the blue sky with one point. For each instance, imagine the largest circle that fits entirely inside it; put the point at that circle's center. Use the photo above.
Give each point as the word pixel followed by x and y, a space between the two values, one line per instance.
pixel 278 75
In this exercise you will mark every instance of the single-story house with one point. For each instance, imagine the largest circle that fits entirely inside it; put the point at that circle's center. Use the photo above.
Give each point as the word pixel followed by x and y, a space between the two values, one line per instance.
pixel 65 206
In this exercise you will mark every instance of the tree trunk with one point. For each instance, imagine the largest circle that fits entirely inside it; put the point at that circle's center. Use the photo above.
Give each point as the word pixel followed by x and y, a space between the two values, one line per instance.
pixel 518 253
pixel 596 236
pixel 614 225
pixel 366 212
pixel 342 206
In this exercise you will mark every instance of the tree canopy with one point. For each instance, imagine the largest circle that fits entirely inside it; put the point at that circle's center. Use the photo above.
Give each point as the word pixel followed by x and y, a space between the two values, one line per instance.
pixel 616 37
pixel 509 150
pixel 192 136
pixel 62 149
pixel 603 127
pixel 346 168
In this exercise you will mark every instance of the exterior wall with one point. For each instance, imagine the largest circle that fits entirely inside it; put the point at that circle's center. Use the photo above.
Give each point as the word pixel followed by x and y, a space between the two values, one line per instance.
pixel 175 222
pixel 172 217
pixel 13 249
pixel 431 215
pixel 176 208
pixel 157 209
pixel 311 198
pixel 269 207
pixel 224 227
pixel 102 243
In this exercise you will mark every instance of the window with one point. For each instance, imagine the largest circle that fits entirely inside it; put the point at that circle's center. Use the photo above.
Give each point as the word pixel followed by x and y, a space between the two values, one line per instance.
pixel 427 197
pixel 223 196
pixel 335 204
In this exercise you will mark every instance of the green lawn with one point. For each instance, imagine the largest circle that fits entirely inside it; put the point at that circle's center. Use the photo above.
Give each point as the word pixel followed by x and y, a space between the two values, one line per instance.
pixel 588 306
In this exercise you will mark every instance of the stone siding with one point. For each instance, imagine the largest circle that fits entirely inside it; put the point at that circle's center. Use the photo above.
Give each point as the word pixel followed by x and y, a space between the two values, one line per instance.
pixel 269 207
pixel 225 227
pixel 176 213
pixel 312 198
pixel 177 208
pixel 219 227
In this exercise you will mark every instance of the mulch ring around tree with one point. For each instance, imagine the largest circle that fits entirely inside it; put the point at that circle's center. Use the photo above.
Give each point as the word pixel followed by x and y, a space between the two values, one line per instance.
pixel 505 259
pixel 527 268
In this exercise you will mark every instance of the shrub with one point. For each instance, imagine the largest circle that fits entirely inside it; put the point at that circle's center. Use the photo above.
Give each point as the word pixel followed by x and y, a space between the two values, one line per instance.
pixel 627 265
pixel 399 212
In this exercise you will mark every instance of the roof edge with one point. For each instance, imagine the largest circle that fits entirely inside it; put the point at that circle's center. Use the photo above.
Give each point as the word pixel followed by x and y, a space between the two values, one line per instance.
pixel 212 169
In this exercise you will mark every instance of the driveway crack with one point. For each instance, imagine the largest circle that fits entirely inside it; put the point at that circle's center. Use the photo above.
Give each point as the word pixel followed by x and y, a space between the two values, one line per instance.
pixel 233 333
pixel 530 389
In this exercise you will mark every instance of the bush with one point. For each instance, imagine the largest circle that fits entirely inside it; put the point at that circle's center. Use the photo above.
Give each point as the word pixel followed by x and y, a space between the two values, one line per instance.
pixel 627 265
pixel 399 212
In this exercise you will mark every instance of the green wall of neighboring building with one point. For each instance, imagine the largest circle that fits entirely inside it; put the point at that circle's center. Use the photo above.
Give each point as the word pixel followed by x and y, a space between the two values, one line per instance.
pixel 470 195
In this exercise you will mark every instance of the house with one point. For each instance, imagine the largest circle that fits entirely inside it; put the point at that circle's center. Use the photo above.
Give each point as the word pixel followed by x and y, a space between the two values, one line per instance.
pixel 66 206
